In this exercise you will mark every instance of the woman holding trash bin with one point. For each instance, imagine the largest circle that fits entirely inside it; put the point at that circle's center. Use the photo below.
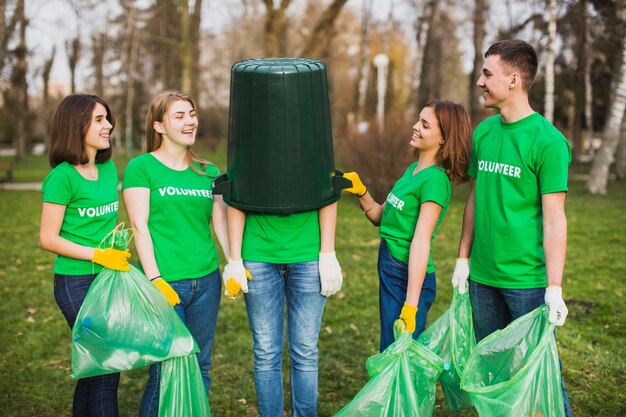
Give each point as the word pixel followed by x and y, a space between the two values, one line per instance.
pixel 169 199
pixel 413 210
pixel 80 207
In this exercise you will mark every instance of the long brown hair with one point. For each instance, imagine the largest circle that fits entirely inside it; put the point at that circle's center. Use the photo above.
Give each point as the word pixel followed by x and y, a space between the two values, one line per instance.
pixel 454 154
pixel 70 125
pixel 159 107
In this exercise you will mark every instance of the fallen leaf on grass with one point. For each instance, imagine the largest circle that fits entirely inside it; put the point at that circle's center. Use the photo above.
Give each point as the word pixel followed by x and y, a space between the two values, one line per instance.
pixel 328 330
pixel 30 319
pixel 42 267
pixel 242 401
pixel 31 310
pixel 356 257
pixel 341 295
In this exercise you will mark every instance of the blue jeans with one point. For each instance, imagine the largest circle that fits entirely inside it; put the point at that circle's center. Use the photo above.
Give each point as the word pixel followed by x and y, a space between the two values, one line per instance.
pixel 494 308
pixel 97 395
pixel 394 278
pixel 271 285
pixel 198 308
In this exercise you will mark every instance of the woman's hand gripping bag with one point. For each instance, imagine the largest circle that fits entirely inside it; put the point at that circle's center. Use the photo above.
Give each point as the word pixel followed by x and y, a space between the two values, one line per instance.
pixel 125 322
pixel 403 382
pixel 452 338
pixel 515 372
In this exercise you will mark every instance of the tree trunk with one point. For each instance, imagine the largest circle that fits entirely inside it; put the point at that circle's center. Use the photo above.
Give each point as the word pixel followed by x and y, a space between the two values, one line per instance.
pixel 98 41
pixel 360 90
pixel 480 16
pixel 132 50
pixel 423 28
pixel 21 85
pixel 45 75
pixel 620 154
pixel 611 134
pixel 7 29
pixel 274 27
pixel 549 96
pixel 73 55
pixel 323 32
pixel 580 83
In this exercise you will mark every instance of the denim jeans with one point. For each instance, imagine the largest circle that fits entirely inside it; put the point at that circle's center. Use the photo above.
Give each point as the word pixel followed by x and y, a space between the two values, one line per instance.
pixel 394 278
pixel 94 396
pixel 494 308
pixel 271 285
pixel 198 308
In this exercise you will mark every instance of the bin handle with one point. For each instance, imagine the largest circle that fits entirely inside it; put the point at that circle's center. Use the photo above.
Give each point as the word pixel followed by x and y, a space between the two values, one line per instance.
pixel 222 185
pixel 340 182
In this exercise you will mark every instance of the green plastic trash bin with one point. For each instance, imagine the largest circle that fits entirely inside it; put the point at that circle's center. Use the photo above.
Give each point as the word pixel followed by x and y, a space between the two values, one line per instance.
pixel 280 149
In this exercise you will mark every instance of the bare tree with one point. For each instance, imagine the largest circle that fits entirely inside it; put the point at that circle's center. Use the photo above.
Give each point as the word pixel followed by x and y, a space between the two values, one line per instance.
pixel 190 52
pixel 423 28
pixel 620 154
pixel 45 75
pixel 7 30
pixel 549 73
pixel 480 16
pixel 323 32
pixel 20 84
pixel 73 56
pixel 362 78
pixel 274 27
pixel 98 41
pixel 611 134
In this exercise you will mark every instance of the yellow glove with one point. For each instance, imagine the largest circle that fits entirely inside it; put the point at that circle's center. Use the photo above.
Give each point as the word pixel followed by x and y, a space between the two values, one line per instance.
pixel 112 258
pixel 235 278
pixel 170 295
pixel 407 315
pixel 357 188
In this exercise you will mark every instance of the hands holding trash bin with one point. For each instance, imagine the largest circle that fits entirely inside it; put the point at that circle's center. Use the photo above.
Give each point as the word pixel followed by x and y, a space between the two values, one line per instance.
pixel 358 188
pixel 235 278
pixel 112 258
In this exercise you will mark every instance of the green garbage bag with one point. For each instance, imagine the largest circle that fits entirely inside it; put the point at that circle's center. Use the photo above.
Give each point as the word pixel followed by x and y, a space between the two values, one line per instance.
pixel 125 322
pixel 452 338
pixel 403 382
pixel 515 372
pixel 182 391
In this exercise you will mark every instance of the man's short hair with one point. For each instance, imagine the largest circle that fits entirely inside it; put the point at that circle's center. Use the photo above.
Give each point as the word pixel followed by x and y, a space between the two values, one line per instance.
pixel 519 55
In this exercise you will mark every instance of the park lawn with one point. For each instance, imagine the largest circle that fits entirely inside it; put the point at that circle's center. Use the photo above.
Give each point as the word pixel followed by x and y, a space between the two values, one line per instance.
pixel 35 340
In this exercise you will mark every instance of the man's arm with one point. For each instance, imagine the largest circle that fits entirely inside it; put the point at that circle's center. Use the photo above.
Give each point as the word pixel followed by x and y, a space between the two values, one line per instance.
pixel 554 236
pixel 467 233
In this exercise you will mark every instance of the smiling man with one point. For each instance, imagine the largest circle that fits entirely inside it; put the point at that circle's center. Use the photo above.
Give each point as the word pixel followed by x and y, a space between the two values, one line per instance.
pixel 514 224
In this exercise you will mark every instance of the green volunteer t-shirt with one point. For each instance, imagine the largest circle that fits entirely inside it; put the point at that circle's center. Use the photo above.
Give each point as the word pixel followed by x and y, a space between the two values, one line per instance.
pixel 181 203
pixel 402 208
pixel 281 239
pixel 514 165
pixel 90 213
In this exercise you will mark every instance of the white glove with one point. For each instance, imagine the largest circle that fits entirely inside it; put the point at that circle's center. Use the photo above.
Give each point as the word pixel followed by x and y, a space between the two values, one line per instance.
pixel 554 300
pixel 461 274
pixel 330 274
pixel 235 278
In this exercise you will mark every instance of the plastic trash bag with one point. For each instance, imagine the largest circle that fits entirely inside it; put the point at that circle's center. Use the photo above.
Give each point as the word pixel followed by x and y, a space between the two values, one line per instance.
pixel 182 391
pixel 515 372
pixel 452 338
pixel 403 382
pixel 125 323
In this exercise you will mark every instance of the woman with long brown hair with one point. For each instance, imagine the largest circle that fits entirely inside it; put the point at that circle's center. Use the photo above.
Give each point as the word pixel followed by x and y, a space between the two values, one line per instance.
pixel 170 203
pixel 80 207
pixel 414 209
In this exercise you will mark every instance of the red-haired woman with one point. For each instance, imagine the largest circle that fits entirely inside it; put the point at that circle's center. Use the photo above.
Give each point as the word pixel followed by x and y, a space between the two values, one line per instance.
pixel 414 209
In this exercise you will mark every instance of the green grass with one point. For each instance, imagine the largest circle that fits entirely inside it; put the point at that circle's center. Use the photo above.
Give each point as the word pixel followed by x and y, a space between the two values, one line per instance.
pixel 35 340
